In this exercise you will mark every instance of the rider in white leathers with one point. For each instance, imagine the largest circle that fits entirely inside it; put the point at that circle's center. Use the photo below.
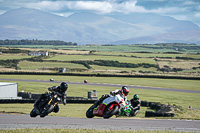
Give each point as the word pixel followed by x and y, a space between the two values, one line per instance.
pixel 123 93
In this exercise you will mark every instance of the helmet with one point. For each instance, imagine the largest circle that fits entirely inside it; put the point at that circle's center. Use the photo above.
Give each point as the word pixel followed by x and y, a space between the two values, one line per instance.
pixel 63 86
pixel 125 90
pixel 136 97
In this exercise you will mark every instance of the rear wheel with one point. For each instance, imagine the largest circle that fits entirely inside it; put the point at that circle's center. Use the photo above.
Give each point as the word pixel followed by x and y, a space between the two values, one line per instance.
pixel 46 111
pixel 110 110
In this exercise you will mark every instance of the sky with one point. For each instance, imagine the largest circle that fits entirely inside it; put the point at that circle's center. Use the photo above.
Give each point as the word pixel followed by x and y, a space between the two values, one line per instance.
pixel 179 9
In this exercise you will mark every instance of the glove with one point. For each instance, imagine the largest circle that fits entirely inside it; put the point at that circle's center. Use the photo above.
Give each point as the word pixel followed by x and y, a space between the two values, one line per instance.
pixel 132 107
pixel 127 114
pixel 50 88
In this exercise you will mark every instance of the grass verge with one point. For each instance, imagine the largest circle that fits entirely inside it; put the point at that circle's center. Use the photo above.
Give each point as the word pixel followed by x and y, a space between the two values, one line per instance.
pixel 80 131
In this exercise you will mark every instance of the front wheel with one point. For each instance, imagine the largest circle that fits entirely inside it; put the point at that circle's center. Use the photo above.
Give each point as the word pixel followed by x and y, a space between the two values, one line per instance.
pixel 33 113
pixel 110 110
pixel 46 111
pixel 89 112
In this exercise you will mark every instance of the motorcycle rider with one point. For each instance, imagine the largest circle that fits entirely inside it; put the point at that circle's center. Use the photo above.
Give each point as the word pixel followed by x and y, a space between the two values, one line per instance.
pixel 135 105
pixel 61 92
pixel 123 93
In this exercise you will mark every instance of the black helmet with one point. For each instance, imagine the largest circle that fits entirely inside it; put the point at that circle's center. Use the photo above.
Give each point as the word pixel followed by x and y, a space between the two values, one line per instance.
pixel 63 86
pixel 125 90
pixel 136 97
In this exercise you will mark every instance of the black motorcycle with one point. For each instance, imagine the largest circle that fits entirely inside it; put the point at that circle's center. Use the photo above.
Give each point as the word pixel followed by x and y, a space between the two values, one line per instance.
pixel 46 105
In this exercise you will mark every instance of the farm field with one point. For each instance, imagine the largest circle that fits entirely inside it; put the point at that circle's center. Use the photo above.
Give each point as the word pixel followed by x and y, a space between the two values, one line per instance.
pixel 97 57
pixel 156 48
pixel 147 62
pixel 28 65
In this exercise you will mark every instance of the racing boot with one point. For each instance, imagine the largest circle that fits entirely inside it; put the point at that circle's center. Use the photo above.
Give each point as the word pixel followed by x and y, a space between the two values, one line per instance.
pixel 37 110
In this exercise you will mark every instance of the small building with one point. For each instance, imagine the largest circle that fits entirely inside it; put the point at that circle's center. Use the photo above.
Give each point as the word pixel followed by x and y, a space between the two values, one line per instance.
pixel 38 53
pixel 9 90
pixel 62 70
pixel 93 95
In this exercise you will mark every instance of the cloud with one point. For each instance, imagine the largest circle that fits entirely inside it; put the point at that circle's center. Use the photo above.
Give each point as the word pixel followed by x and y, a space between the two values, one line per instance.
pixel 108 6
pixel 180 9
pixel 100 6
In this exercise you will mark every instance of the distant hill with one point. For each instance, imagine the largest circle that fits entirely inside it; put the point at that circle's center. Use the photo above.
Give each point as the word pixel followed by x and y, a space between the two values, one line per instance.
pixel 90 28
pixel 174 37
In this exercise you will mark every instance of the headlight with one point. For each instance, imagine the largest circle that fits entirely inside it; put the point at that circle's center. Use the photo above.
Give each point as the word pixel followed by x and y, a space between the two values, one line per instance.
pixel 58 98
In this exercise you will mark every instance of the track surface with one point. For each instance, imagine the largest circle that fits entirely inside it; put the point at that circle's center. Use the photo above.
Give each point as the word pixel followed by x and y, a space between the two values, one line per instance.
pixel 15 121
pixel 109 85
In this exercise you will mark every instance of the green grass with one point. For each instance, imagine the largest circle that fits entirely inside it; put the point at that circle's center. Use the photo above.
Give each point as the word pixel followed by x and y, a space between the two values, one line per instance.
pixel 83 131
pixel 154 82
pixel 165 97
pixel 13 56
pixel 114 69
pixel 143 55
pixel 119 48
pixel 27 65
pixel 96 57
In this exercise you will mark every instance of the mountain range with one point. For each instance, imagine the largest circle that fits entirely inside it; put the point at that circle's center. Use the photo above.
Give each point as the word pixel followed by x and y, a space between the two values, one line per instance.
pixel 91 28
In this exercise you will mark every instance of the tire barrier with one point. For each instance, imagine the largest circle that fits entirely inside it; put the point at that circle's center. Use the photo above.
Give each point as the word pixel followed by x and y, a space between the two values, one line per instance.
pixel 144 103
pixel 155 114
pixel 161 110
pixel 5 101
pixel 10 101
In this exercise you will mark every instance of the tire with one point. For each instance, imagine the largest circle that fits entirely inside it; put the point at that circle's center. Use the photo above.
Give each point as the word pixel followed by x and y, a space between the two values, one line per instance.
pixel 47 111
pixel 149 114
pixel 33 113
pixel 109 113
pixel 89 112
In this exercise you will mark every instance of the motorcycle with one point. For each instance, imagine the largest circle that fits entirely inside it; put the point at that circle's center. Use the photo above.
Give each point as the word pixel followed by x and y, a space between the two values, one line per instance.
pixel 126 111
pixel 107 108
pixel 47 105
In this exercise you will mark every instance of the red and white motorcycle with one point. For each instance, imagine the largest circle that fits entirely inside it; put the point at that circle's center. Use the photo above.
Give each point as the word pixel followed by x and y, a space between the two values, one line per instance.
pixel 106 109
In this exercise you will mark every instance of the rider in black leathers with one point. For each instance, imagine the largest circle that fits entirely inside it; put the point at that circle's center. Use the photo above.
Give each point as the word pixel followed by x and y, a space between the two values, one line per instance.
pixel 135 105
pixel 61 92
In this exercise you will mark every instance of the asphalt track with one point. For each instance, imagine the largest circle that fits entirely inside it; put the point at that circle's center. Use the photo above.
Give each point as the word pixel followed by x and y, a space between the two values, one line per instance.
pixel 108 85
pixel 18 121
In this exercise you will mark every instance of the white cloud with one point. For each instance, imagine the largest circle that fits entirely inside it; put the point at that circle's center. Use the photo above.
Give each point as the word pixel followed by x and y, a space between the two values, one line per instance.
pixel 100 6
pixel 175 8
pixel 169 10
pixel 47 5
pixel 97 6
pixel 197 15
pixel 128 7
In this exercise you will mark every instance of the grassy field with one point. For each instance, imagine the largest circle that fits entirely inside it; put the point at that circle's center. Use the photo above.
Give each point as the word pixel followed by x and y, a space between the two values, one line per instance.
pixel 81 131
pixel 121 48
pixel 154 82
pixel 28 65
pixel 98 57
pixel 165 97
pixel 13 56
pixel 121 53
pixel 173 63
